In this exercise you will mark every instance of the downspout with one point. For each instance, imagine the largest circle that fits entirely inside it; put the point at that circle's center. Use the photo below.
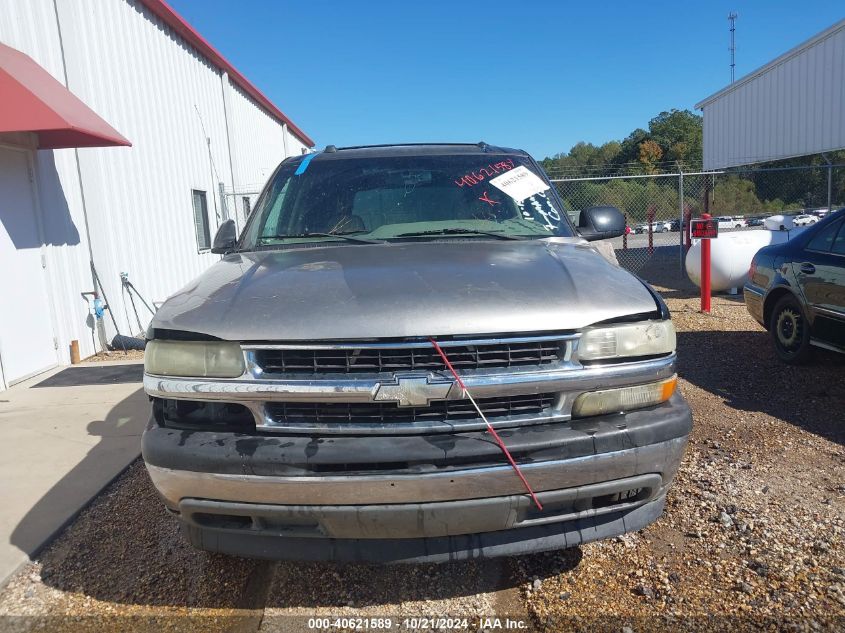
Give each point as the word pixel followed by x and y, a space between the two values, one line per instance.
pixel 829 183
pixel 92 270
pixel 75 149
pixel 3 385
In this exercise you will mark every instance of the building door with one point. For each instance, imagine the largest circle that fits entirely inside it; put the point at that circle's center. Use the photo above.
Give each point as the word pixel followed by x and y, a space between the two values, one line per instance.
pixel 27 346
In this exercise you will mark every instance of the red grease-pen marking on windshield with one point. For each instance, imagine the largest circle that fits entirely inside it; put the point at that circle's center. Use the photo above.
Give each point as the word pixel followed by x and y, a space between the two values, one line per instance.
pixel 490 428
pixel 475 177
pixel 484 198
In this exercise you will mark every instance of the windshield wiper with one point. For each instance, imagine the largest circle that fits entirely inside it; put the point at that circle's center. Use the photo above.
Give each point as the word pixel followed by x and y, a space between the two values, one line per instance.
pixel 348 235
pixel 459 231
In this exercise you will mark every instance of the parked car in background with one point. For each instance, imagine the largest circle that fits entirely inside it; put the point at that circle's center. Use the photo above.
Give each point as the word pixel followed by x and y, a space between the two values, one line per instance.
pixel 796 290
pixel 804 219
pixel 314 391
pixel 656 227
pixel 727 222
pixel 740 221
pixel 755 221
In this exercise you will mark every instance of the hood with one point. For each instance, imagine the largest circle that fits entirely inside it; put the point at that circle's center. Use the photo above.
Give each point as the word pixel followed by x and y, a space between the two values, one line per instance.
pixel 449 287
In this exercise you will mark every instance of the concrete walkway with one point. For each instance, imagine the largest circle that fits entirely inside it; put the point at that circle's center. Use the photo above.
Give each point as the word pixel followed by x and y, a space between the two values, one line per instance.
pixel 61 445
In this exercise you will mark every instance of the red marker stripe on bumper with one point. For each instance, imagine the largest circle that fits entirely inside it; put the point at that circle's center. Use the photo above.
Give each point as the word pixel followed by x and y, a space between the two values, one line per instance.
pixel 490 428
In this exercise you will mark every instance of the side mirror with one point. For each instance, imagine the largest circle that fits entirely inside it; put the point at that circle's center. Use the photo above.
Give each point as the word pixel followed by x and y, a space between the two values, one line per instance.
pixel 601 223
pixel 225 238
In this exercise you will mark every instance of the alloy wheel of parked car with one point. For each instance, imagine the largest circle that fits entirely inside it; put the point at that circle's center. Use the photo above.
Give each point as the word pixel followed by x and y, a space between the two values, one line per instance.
pixel 790 331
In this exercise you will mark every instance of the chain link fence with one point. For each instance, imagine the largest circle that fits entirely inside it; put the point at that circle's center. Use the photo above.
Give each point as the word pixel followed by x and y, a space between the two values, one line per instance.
pixel 658 206
pixel 238 204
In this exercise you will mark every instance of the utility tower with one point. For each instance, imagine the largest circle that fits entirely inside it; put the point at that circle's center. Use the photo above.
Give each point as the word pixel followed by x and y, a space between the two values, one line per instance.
pixel 732 19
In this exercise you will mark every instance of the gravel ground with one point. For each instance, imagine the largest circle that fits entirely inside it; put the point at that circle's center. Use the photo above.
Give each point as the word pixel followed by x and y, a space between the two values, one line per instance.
pixel 124 561
pixel 752 537
pixel 115 356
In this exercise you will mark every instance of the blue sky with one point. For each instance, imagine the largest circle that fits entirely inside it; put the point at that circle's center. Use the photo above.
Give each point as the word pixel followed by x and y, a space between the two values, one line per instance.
pixel 536 75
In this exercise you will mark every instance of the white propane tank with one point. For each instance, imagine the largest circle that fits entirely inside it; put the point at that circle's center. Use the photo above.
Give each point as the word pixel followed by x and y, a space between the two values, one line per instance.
pixel 730 256
pixel 779 223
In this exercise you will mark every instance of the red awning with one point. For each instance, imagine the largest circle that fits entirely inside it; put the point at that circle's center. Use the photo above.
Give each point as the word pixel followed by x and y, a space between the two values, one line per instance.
pixel 33 101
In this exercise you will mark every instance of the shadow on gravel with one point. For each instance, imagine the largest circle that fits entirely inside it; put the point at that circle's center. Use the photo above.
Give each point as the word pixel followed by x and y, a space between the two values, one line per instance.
pixel 741 368
pixel 317 585
pixel 126 549
pixel 118 442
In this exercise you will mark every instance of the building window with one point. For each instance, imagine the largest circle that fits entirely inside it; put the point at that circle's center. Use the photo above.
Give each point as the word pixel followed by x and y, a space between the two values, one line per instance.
pixel 201 220
pixel 247 206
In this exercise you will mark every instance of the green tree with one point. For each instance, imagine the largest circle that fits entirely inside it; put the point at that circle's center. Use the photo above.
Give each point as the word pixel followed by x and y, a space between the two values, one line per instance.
pixel 673 141
pixel 629 152
pixel 650 155
pixel 679 134
pixel 735 196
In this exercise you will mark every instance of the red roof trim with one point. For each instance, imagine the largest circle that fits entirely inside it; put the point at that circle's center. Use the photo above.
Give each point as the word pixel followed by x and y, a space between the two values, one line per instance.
pixel 178 24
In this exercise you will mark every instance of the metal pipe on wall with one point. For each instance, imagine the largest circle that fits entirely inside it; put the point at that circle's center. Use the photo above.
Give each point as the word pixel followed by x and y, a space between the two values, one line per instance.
pixel 829 183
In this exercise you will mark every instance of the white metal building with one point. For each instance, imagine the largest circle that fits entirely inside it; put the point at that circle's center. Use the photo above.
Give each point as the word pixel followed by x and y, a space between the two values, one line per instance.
pixel 75 74
pixel 792 106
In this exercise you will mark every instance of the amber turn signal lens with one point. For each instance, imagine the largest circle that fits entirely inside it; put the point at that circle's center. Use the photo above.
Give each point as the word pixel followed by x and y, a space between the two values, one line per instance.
pixel 669 388
pixel 624 398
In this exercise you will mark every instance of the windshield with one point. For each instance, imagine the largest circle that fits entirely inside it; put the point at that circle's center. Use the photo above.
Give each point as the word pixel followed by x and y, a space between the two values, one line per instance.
pixel 397 198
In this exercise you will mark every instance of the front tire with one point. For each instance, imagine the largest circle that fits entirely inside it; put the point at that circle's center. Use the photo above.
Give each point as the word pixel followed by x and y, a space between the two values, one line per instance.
pixel 790 331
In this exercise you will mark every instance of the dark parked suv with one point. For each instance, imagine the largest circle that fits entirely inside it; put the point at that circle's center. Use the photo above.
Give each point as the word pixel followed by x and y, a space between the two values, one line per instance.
pixel 412 354
pixel 797 290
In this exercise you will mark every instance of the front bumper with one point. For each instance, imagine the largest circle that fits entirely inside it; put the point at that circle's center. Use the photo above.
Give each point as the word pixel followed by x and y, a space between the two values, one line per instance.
pixel 513 542
pixel 424 497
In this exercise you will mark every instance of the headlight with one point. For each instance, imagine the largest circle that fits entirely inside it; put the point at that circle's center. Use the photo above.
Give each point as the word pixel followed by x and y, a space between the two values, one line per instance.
pixel 646 338
pixel 623 399
pixel 203 359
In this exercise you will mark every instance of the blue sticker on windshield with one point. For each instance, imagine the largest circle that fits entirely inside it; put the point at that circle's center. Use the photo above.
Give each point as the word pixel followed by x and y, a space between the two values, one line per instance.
pixel 304 165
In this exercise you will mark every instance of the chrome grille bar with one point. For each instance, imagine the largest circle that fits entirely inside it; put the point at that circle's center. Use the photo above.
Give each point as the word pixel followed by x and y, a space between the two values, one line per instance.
pixel 385 412
pixel 387 357
pixel 406 344
pixel 571 379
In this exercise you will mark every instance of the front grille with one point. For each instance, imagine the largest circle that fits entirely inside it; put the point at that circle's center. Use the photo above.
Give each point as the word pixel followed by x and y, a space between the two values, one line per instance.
pixel 389 412
pixel 383 358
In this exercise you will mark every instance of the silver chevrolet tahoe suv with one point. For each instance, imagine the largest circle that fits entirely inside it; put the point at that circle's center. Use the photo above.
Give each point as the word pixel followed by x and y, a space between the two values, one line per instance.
pixel 302 405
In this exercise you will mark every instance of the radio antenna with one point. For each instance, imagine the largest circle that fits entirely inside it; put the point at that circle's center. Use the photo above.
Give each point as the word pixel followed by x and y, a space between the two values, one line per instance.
pixel 732 19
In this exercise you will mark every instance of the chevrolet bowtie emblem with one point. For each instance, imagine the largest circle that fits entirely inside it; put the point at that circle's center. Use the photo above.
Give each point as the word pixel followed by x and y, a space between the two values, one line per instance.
pixel 413 391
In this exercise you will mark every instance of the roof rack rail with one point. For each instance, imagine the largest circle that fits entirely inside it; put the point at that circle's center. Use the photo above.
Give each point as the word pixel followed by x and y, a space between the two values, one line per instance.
pixel 481 144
